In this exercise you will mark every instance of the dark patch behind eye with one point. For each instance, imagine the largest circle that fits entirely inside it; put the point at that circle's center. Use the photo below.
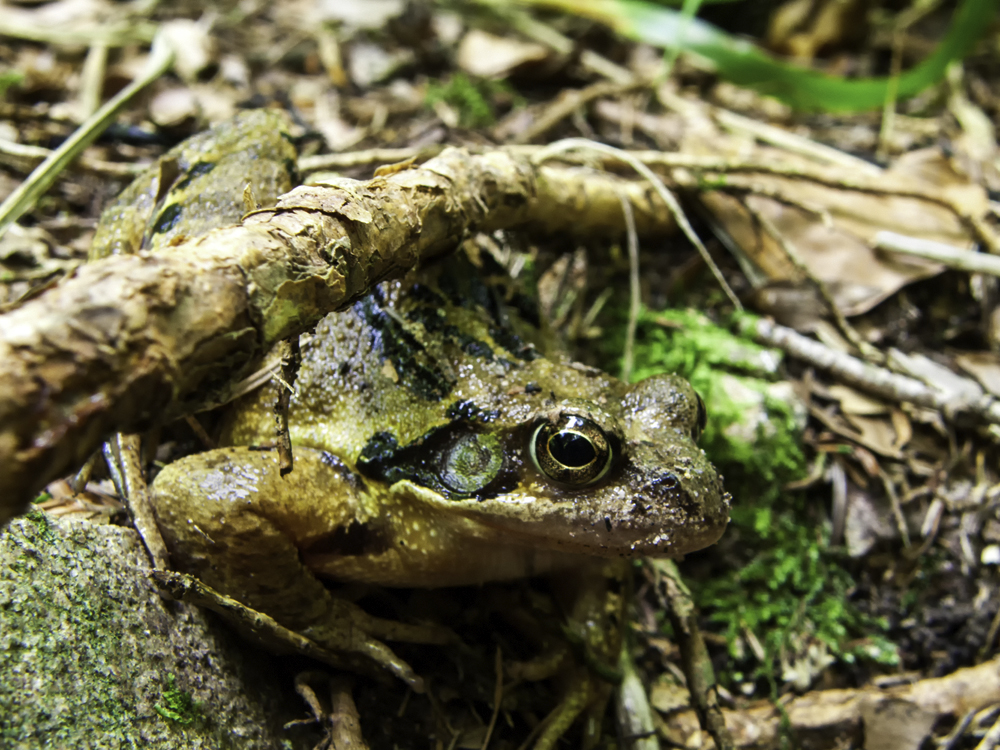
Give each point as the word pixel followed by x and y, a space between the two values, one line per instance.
pixel 384 459
pixel 341 468
pixel 513 343
pixel 476 348
pixel 378 453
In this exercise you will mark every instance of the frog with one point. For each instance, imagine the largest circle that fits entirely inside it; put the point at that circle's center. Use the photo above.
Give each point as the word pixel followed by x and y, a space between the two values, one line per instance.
pixel 199 185
pixel 439 440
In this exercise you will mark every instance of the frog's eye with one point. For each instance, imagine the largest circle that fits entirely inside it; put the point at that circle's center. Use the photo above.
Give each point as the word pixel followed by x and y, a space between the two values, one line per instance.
pixel 702 420
pixel 471 462
pixel 571 450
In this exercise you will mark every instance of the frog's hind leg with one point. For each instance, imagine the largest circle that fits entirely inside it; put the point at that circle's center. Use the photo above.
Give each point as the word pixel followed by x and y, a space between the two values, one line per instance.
pixel 230 519
pixel 267 632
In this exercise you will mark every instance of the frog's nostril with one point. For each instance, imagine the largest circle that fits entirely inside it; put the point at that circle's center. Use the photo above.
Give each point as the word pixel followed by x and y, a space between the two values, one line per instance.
pixel 663 482
pixel 664 489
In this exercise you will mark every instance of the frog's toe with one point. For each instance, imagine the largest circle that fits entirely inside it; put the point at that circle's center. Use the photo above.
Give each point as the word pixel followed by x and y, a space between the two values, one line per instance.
pixel 385 657
pixel 342 645
pixel 348 628
pixel 402 632
pixel 561 718
pixel 543 666
pixel 359 642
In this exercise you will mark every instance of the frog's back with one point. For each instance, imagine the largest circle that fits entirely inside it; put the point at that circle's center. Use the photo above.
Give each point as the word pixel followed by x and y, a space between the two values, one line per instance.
pixel 406 360
pixel 198 185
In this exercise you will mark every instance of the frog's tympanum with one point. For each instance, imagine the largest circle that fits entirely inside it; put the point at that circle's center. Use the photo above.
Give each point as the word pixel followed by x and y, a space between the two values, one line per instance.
pixel 436 445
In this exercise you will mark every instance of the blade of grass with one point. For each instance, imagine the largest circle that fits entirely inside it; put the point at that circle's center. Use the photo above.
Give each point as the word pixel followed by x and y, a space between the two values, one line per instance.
pixel 45 174
pixel 688 11
pixel 743 63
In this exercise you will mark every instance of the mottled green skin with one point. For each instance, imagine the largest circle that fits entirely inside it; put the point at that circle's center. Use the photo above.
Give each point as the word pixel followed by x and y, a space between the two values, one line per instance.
pixel 385 390
pixel 198 185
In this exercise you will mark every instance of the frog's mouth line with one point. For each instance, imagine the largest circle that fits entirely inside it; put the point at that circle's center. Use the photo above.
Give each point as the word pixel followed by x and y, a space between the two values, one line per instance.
pixel 602 529
pixel 597 539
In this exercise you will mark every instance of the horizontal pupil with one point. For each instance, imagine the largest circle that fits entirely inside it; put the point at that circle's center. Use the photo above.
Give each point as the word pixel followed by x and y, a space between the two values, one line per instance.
pixel 572 449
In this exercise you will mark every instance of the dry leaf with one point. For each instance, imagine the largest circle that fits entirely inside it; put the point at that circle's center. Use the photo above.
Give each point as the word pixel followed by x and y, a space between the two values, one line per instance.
pixel 488 56
pixel 896 725
pixel 855 402
pixel 903 428
pixel 984 367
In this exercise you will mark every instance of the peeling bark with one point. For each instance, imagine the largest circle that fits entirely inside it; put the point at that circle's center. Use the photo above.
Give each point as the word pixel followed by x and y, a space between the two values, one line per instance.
pixel 133 341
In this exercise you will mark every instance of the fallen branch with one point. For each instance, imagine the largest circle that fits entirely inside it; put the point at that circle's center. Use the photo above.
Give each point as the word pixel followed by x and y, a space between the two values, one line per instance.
pixel 825 719
pixel 133 341
pixel 874 380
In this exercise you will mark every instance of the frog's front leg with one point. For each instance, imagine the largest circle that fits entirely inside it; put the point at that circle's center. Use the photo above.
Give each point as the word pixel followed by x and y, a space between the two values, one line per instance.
pixel 592 598
pixel 230 519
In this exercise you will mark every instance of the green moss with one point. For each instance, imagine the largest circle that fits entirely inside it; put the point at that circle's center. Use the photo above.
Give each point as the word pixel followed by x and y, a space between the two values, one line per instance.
pixel 472 99
pixel 9 78
pixel 177 705
pixel 789 588
pixel 793 594
pixel 42 525
pixel 42 497
pixel 64 629
pixel 753 431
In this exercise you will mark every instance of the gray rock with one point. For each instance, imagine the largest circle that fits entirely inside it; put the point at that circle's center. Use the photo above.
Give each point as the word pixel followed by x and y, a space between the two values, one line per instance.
pixel 92 657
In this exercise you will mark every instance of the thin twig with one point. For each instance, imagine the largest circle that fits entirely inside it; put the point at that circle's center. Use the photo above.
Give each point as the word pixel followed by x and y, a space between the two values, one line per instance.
pixel 92 78
pixel 906 18
pixel 953 257
pixel 661 190
pixel 897 509
pixel 124 462
pixel 992 738
pixel 794 143
pixel 570 101
pixel 41 179
pixel 950 742
pixel 543 33
pixel 33 155
pixel 497 697
pixel 17 25
pixel 635 301
pixel 991 636
pixel 347 160
pixel 868 377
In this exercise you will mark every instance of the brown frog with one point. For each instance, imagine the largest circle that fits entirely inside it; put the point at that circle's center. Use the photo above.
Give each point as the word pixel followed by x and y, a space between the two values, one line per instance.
pixel 435 444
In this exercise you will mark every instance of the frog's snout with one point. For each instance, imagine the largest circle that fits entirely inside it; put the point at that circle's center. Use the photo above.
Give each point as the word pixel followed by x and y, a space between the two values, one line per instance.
pixel 678 501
